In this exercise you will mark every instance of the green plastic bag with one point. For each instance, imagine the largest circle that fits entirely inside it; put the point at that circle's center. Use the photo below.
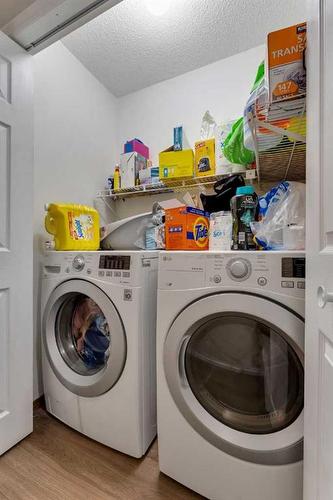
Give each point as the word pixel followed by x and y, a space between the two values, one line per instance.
pixel 234 148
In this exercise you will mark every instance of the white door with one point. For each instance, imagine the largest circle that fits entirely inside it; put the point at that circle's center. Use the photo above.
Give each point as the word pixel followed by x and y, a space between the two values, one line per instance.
pixel 16 156
pixel 318 441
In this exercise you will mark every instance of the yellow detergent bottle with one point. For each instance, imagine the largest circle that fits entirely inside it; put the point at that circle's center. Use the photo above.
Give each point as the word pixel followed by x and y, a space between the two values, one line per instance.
pixel 74 227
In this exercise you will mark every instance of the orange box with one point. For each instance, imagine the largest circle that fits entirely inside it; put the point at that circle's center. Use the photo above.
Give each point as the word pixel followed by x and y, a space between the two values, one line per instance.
pixel 186 228
pixel 286 68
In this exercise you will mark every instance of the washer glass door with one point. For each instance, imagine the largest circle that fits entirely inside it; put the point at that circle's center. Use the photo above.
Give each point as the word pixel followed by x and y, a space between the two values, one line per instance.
pixel 84 338
pixel 83 334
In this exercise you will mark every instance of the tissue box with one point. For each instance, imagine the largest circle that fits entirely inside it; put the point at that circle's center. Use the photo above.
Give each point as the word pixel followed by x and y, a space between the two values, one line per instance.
pixel 149 175
pixel 205 158
pixel 130 166
pixel 186 228
pixel 286 69
pixel 136 146
pixel 176 164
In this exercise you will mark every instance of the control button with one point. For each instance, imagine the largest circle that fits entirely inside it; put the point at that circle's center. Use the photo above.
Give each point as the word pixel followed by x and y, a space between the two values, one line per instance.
pixel 301 285
pixel 126 274
pixel 117 274
pixel 217 278
pixel 287 284
pixel 262 281
pixel 109 274
pixel 89 271
pixel 128 295
pixel 78 263
pixel 101 273
pixel 239 269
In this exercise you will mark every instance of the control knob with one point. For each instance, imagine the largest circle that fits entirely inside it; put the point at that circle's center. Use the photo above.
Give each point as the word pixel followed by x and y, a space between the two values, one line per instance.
pixel 239 269
pixel 78 263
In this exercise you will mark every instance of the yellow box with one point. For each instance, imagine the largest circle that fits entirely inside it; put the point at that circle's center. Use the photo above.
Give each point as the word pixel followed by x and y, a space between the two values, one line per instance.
pixel 74 227
pixel 176 164
pixel 205 158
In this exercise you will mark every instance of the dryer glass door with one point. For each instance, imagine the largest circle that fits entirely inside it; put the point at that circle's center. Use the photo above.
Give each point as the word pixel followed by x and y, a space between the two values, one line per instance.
pixel 245 373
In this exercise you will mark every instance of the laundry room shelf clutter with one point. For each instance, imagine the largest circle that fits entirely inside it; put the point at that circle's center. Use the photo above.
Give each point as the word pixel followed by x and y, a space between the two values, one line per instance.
pixel 175 186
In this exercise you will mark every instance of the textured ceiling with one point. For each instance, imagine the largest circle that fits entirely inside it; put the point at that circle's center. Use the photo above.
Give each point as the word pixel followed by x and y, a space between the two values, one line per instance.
pixel 128 48
pixel 11 8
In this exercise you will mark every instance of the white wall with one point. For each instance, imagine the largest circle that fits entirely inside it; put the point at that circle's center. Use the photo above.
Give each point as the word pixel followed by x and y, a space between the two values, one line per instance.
pixel 75 145
pixel 222 88
pixel 80 129
pixel 150 114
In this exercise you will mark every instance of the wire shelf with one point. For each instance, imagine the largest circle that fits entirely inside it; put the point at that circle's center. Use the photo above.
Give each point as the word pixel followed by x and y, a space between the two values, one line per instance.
pixel 279 137
pixel 176 186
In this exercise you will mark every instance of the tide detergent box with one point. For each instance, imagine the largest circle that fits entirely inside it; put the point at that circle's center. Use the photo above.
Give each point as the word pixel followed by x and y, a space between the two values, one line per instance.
pixel 205 158
pixel 186 228
pixel 286 63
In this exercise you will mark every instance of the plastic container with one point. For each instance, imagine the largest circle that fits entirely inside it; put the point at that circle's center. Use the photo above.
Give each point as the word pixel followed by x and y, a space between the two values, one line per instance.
pixel 116 178
pixel 220 231
pixel 74 227
pixel 244 207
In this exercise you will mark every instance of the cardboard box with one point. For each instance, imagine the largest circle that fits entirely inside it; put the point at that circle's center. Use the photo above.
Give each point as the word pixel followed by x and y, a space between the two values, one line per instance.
pixel 130 166
pixel 176 164
pixel 186 228
pixel 137 146
pixel 205 158
pixel 285 63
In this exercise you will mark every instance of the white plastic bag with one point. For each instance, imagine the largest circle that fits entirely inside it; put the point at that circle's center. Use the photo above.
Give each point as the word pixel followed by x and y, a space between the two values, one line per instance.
pixel 222 164
pixel 257 105
pixel 283 226
pixel 208 125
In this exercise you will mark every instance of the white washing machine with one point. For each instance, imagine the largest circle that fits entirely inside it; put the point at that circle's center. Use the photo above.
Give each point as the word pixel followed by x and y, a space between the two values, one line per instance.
pixel 98 329
pixel 230 372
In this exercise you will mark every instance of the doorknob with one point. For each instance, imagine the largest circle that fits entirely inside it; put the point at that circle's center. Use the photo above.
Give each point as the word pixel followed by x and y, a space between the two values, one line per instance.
pixel 323 296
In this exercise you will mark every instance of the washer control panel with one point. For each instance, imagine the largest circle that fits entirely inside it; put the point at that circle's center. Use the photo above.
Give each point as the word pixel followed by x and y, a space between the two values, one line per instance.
pixel 110 267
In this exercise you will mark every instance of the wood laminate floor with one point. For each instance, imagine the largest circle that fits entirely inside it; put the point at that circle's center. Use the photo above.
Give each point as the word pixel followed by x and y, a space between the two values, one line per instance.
pixel 57 463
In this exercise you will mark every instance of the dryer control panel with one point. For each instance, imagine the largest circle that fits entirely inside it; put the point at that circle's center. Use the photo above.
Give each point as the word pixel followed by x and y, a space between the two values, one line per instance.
pixel 280 272
pixel 274 271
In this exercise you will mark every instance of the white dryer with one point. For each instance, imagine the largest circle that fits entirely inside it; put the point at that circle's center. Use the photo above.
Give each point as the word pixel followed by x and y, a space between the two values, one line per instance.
pixel 98 338
pixel 230 372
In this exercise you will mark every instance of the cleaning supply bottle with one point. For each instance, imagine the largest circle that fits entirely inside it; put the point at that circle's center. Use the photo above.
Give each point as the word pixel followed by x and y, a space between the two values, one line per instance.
pixel 116 178
pixel 74 227
pixel 244 208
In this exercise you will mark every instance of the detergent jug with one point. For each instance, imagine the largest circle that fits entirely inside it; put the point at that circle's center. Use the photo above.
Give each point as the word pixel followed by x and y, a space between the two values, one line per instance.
pixel 74 227
pixel 244 206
